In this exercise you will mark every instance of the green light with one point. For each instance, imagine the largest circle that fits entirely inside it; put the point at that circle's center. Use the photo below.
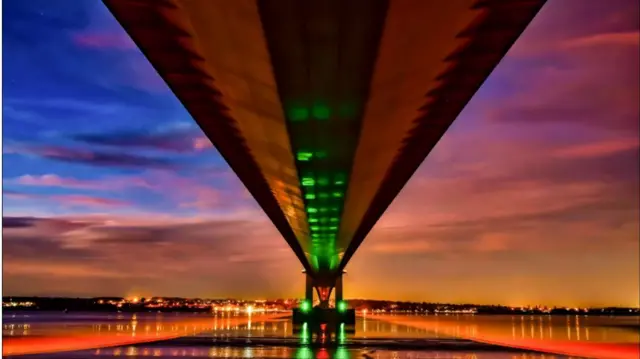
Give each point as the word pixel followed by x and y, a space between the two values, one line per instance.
pixel 313 220
pixel 305 306
pixel 312 210
pixel 315 228
pixel 320 112
pixel 323 181
pixel 308 181
pixel 304 156
pixel 332 263
pixel 341 338
pixel 310 196
pixel 342 306
pixel 339 179
pixel 335 209
pixel 333 219
pixel 298 114
pixel 337 194
pixel 304 352
pixel 333 228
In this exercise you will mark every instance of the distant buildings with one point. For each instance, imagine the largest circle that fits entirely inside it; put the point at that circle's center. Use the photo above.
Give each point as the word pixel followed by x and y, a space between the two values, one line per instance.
pixel 237 306
pixel 17 304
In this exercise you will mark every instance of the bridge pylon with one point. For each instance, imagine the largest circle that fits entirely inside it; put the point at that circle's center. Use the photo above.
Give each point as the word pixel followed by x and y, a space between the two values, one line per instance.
pixel 323 314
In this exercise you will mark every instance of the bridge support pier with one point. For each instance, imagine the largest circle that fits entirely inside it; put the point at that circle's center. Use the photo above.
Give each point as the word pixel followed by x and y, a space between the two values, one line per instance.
pixel 339 296
pixel 308 293
pixel 323 313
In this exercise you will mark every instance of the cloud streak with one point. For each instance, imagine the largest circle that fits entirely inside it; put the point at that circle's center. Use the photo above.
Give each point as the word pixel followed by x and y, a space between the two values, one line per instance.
pixel 104 41
pixel 111 250
pixel 180 141
pixel 70 199
pixel 97 158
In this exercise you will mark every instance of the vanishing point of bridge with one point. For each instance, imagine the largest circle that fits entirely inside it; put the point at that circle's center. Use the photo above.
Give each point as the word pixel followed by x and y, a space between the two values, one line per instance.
pixel 324 108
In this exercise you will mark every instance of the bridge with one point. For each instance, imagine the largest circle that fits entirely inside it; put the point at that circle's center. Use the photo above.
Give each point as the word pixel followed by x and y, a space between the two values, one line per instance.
pixel 324 108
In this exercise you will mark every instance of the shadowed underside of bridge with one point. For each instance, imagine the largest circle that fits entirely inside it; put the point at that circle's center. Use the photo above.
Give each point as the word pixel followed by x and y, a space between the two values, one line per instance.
pixel 324 108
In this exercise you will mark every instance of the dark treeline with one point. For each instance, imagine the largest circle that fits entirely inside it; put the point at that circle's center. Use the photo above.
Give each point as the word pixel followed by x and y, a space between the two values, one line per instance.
pixel 105 304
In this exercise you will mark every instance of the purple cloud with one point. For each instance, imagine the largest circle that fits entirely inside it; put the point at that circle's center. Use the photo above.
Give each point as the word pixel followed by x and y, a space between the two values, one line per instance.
pixel 17 222
pixel 117 40
pixel 180 141
pixel 97 158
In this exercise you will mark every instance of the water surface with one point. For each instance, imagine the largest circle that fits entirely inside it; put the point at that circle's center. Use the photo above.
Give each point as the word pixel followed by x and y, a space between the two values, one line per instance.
pixel 233 335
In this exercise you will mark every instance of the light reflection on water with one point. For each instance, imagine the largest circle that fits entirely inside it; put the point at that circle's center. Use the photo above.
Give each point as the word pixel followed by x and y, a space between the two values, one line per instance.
pixel 542 327
pixel 286 352
pixel 574 328
pixel 224 326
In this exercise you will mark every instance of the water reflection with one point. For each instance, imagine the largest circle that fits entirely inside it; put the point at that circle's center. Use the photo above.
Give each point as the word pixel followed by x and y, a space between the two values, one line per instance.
pixel 591 336
pixel 307 353
pixel 573 328
pixel 224 327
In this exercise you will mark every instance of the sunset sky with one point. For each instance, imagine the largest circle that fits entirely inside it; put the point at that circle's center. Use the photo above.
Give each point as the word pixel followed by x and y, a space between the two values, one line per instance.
pixel 110 188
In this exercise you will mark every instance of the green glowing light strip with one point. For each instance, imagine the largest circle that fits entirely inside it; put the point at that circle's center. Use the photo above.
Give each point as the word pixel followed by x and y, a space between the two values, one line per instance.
pixel 323 187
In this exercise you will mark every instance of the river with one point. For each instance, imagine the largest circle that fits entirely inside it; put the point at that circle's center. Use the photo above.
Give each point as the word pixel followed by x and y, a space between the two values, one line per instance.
pixel 233 335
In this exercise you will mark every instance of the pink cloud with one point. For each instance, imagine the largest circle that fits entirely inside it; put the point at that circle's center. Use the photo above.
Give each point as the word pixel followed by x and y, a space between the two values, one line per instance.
pixel 202 198
pixel 18 195
pixel 105 184
pixel 133 69
pixel 212 192
pixel 116 40
pixel 605 39
pixel 52 180
pixel 201 143
pixel 598 149
pixel 90 201
pixel 71 199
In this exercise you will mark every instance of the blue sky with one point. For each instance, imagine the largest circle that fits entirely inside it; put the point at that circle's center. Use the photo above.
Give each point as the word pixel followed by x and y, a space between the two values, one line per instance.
pixel 109 187
pixel 81 102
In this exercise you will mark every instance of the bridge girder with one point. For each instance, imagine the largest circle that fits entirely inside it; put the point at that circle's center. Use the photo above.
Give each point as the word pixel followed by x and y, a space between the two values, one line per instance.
pixel 324 108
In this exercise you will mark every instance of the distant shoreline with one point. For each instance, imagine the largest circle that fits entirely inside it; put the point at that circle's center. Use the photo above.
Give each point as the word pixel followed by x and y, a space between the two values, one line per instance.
pixel 198 305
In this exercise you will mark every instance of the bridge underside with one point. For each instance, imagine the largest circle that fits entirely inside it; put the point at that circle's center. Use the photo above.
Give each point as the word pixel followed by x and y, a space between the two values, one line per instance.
pixel 324 108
